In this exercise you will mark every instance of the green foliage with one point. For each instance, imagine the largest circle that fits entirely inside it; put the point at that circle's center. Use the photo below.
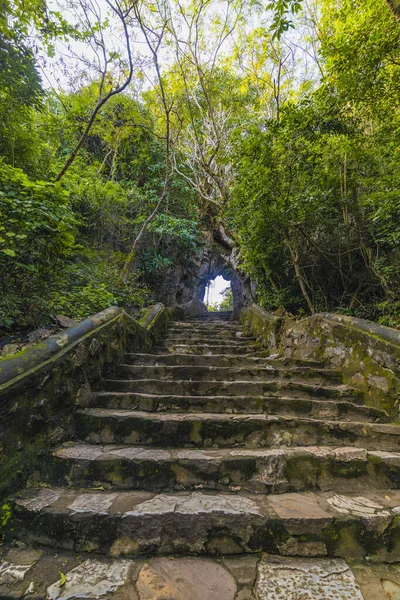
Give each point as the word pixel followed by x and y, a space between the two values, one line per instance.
pixel 37 233
pixel 5 518
pixel 303 168
pixel 90 283
pixel 227 302
pixel 282 9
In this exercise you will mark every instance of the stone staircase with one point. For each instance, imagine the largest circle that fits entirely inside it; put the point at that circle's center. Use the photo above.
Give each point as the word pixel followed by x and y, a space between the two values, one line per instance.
pixel 209 447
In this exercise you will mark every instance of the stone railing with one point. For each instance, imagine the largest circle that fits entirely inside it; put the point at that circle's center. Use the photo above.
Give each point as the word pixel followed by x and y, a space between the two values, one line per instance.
pixel 41 386
pixel 367 353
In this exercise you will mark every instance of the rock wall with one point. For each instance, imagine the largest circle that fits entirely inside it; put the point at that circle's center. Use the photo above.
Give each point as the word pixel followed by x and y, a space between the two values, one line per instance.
pixel 41 386
pixel 367 353
pixel 217 256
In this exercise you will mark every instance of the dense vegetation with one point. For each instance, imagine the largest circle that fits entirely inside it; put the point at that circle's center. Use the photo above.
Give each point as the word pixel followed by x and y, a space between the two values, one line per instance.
pixel 128 129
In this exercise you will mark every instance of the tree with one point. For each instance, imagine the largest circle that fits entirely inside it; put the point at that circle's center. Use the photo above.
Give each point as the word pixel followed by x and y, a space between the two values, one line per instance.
pixel 107 88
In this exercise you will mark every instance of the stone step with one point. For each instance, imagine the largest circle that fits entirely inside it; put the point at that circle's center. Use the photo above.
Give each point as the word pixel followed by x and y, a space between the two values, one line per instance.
pixel 214 373
pixel 295 389
pixel 185 339
pixel 217 360
pixel 211 317
pixel 315 408
pixel 256 470
pixel 130 523
pixel 208 326
pixel 211 327
pixel 209 349
pixel 212 336
pixel 105 426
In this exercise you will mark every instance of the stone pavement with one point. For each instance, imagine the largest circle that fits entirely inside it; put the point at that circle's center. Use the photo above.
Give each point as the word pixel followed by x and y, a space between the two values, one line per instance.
pixel 42 575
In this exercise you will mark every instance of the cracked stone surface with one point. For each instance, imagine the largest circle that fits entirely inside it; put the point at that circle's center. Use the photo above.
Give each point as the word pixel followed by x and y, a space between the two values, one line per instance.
pixel 93 503
pixel 360 506
pixel 92 579
pixel 306 579
pixel 41 500
pixel 198 503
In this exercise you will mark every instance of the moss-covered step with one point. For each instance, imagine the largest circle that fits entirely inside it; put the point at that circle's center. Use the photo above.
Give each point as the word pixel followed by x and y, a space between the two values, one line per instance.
pixel 295 389
pixel 244 349
pixel 216 360
pixel 255 470
pixel 132 523
pixel 207 430
pixel 216 373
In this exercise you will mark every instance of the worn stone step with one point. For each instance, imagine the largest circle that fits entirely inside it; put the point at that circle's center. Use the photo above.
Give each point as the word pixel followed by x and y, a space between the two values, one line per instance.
pixel 209 349
pixel 185 339
pixel 295 389
pixel 105 426
pixel 216 373
pixel 130 523
pixel 315 408
pixel 209 336
pixel 217 360
pixel 212 330
pixel 256 470
pixel 212 317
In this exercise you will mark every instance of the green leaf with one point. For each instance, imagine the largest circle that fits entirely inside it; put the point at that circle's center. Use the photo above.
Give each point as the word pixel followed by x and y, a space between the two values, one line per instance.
pixel 63 579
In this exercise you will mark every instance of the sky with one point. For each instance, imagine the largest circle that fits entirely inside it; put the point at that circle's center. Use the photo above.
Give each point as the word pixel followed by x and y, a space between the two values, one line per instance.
pixel 216 287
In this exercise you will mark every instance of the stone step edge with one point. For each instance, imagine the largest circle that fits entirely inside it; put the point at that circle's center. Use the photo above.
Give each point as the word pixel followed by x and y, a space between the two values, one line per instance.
pixel 279 360
pixel 235 369
pixel 241 397
pixel 275 470
pixel 384 428
pixel 95 452
pixel 131 523
pixel 281 384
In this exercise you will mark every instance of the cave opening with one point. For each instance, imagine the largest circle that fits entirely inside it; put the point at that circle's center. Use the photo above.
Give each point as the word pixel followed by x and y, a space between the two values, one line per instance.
pixel 218 295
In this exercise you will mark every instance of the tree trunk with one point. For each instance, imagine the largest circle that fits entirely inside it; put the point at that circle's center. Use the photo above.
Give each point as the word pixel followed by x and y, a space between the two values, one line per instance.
pixel 300 278
pixel 394 6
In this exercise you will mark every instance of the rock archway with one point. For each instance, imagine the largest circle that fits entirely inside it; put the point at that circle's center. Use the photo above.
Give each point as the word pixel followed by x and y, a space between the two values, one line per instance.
pixel 218 256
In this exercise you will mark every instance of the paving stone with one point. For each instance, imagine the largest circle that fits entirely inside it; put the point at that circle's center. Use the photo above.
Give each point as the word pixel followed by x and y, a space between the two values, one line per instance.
pixel 184 579
pixel 360 506
pixel 378 581
pixel 92 503
pixel 44 498
pixel 306 579
pixel 92 579
pixel 197 503
pixel 11 572
pixel 300 512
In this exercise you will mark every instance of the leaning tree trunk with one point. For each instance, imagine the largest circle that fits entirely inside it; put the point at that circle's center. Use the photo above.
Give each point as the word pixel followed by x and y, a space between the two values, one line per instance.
pixel 394 6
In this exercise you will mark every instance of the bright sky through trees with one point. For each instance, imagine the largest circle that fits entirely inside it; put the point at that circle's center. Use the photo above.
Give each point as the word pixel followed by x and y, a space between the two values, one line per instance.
pixel 213 292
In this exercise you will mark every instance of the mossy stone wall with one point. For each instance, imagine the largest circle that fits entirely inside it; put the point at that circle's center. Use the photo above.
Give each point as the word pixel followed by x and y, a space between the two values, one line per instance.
pixel 367 354
pixel 42 386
